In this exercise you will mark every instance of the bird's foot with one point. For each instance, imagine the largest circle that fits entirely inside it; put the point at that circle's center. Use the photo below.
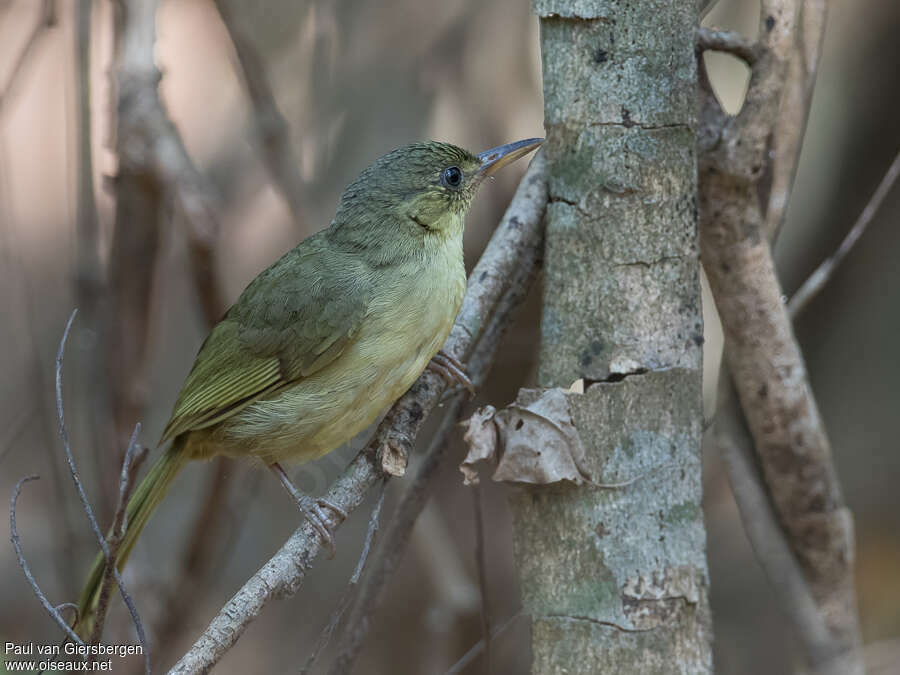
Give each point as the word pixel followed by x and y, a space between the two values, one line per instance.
pixel 453 372
pixel 311 508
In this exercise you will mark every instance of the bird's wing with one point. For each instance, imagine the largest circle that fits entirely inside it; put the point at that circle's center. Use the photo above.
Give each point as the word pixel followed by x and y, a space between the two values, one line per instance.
pixel 292 320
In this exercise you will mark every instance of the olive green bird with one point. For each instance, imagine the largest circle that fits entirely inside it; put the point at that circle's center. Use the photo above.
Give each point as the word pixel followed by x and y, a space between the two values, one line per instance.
pixel 331 334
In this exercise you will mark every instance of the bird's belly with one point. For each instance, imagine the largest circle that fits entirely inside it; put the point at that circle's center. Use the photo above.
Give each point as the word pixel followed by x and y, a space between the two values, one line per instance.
pixel 331 406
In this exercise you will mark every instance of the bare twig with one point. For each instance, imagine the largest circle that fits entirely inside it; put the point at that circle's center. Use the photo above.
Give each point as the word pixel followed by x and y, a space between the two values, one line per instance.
pixel 347 597
pixel 709 39
pixel 822 274
pixel 46 19
pixel 419 489
pixel 133 458
pixel 481 562
pixel 69 605
pixel 735 444
pixel 480 646
pixel 101 540
pixel 14 537
pixel 271 128
pixel 802 58
pixel 395 541
pixel 772 549
pixel 284 573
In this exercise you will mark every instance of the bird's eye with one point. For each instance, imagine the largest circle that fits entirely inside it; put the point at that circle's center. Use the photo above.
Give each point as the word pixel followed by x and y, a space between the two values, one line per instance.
pixel 452 177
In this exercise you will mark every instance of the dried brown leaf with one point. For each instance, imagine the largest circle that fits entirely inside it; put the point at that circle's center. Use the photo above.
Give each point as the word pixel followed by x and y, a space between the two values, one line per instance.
pixel 534 443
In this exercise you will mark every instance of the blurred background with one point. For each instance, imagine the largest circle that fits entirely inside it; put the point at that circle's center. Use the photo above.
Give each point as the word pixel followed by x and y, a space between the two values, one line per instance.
pixel 354 80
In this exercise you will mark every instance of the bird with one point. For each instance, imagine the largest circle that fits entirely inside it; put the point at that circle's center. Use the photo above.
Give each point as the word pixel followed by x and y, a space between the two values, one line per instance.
pixel 328 336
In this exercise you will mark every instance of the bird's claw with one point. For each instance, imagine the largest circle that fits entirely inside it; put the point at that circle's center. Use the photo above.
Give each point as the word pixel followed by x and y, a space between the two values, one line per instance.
pixel 453 372
pixel 312 509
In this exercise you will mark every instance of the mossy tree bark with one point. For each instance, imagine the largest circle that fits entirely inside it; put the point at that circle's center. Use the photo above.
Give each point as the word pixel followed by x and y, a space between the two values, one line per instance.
pixel 615 579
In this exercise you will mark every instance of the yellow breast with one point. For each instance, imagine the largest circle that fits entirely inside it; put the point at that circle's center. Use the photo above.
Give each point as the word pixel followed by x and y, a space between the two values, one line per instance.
pixel 407 323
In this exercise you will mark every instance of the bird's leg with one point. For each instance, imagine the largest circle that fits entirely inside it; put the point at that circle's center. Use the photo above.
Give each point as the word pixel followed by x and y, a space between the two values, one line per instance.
pixel 311 508
pixel 451 370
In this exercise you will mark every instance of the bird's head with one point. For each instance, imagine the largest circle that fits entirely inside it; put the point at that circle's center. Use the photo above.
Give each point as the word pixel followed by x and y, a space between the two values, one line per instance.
pixel 418 192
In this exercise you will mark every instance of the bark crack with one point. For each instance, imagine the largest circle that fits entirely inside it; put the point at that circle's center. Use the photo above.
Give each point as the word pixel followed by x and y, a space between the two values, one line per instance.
pixel 628 123
pixel 610 624
pixel 613 378
pixel 649 263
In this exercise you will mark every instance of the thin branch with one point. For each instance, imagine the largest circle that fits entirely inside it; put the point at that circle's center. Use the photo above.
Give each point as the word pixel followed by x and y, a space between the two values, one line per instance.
pixel 771 546
pixel 480 646
pixel 101 540
pixel 284 573
pixel 133 458
pixel 347 597
pixel 787 139
pixel 481 562
pixel 735 444
pixel 69 605
pixel 271 128
pixel 730 42
pixel 46 20
pixel 746 169
pixel 823 273
pixel 396 540
pixel 14 537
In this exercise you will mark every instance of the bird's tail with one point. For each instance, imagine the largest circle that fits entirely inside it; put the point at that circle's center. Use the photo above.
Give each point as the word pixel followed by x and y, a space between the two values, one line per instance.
pixel 143 501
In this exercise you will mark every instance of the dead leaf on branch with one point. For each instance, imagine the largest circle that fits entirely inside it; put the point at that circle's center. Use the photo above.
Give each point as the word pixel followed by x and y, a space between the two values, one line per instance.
pixel 535 443
pixel 394 459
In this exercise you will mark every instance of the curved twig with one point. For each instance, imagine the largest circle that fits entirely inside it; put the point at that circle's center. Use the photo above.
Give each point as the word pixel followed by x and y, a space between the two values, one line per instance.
pixel 344 603
pixel 730 42
pixel 272 130
pixel 64 435
pixel 133 458
pixel 480 646
pixel 816 281
pixel 14 537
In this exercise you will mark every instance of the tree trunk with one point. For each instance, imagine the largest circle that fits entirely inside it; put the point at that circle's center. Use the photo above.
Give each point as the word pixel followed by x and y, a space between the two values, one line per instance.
pixel 615 578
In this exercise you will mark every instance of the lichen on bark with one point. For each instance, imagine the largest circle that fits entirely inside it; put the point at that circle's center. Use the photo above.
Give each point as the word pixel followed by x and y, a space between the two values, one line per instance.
pixel 615 579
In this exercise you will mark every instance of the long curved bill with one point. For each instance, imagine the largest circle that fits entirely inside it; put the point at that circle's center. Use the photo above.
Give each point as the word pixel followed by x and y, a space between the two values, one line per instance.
pixel 496 158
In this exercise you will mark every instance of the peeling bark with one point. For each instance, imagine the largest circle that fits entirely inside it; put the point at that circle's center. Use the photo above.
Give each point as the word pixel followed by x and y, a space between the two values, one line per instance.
pixel 615 579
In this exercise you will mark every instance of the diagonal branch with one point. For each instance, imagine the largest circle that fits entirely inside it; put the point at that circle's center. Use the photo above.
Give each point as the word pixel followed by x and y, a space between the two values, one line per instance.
pixel 729 42
pixel 272 130
pixel 284 573
pixel 347 598
pixel 86 505
pixel 746 170
pixel 135 454
pixel 820 276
